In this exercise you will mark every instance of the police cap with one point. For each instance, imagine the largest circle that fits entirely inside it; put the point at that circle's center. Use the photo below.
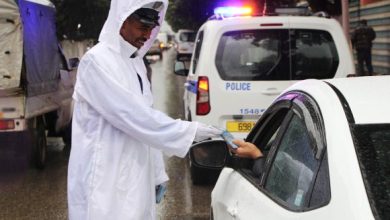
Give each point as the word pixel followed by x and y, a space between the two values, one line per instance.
pixel 148 14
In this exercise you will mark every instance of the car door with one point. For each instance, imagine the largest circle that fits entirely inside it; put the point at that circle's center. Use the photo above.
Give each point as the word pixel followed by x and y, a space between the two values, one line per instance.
pixel 293 182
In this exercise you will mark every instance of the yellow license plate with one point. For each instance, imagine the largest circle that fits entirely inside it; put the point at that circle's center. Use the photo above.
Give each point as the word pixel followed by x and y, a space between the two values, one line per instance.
pixel 239 126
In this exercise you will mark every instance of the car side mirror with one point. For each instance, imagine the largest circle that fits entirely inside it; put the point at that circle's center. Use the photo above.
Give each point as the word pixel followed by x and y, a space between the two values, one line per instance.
pixel 181 69
pixel 74 63
pixel 209 154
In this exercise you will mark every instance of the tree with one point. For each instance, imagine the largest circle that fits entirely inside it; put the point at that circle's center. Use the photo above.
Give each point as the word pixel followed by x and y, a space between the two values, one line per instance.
pixel 83 19
pixel 332 7
pixel 80 19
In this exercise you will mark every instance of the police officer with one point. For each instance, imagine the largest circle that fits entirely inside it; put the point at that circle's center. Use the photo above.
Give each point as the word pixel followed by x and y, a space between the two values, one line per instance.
pixel 118 138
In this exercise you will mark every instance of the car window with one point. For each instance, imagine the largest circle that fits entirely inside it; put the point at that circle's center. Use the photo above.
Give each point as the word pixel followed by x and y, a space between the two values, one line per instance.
pixel 198 46
pixel 314 55
pixel 294 167
pixel 253 55
pixel 321 190
pixel 372 143
pixel 269 133
pixel 263 135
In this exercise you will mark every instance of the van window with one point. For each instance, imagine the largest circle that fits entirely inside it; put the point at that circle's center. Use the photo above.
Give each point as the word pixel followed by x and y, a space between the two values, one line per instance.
pixel 187 37
pixel 314 54
pixel 277 54
pixel 253 55
pixel 198 46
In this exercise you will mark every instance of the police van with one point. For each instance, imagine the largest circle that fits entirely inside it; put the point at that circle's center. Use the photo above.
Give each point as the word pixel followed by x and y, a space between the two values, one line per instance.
pixel 242 63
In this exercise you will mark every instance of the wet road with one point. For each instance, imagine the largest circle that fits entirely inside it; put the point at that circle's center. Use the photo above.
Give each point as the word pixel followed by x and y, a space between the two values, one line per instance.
pixel 183 200
pixel 27 193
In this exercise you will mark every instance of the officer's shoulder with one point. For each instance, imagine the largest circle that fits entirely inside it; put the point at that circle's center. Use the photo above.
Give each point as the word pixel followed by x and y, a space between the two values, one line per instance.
pixel 99 53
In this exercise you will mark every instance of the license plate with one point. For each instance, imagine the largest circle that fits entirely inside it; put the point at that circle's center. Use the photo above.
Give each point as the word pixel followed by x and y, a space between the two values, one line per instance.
pixel 239 126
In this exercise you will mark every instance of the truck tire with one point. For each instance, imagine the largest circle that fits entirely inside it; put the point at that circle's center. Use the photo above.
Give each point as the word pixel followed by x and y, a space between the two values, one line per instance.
pixel 39 143
pixel 67 135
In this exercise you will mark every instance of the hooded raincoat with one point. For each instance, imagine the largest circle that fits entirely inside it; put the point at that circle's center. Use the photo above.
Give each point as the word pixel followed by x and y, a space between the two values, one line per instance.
pixel 117 137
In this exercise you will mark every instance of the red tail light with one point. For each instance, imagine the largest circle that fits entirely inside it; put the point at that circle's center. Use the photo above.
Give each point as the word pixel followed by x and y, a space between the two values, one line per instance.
pixel 202 96
pixel 7 124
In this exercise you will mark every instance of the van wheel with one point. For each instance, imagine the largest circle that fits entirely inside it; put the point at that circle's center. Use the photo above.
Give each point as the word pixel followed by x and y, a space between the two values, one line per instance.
pixel 39 144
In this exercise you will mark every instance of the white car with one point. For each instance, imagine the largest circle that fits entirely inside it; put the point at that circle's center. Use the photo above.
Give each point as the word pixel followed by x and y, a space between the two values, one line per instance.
pixel 185 44
pixel 241 64
pixel 326 147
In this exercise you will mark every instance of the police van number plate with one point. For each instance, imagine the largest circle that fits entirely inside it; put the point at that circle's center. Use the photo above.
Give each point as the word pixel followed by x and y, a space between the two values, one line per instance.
pixel 239 126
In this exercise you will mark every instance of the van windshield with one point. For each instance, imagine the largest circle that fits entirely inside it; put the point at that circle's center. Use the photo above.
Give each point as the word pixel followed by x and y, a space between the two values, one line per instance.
pixel 276 54
pixel 187 37
pixel 373 150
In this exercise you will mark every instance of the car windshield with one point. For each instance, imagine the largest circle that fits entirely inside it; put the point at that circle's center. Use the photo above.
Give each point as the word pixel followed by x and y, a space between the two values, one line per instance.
pixel 373 150
pixel 187 37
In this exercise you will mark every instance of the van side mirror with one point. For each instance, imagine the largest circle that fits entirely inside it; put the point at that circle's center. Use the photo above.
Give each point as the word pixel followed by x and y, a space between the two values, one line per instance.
pixel 74 62
pixel 181 69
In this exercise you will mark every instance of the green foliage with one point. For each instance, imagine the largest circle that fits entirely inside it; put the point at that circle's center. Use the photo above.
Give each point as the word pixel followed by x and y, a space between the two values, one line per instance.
pixel 188 14
pixel 80 19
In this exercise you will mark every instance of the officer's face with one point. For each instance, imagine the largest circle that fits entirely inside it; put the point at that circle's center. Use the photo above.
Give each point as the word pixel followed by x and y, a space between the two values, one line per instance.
pixel 135 32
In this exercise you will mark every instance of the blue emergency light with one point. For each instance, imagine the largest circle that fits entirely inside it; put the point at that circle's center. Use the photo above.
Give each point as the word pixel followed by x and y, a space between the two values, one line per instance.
pixel 232 11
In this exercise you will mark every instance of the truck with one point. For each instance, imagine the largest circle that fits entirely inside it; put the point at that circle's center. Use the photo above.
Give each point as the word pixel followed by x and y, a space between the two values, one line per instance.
pixel 36 79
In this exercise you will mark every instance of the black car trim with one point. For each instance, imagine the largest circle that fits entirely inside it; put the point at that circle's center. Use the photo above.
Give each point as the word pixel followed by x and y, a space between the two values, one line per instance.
pixel 344 103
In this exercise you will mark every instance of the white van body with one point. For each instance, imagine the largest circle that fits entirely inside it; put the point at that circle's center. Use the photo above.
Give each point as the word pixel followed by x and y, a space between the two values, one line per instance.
pixel 235 103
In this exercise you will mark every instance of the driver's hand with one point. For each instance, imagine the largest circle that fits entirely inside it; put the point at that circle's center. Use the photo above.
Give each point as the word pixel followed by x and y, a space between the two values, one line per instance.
pixel 246 150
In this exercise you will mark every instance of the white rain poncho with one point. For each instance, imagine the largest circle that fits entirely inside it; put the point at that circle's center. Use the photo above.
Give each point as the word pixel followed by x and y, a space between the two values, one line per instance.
pixel 117 138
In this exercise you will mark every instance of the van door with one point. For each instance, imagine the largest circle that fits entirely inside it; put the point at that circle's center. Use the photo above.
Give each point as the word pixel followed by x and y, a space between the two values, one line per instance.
pixel 254 66
pixel 257 65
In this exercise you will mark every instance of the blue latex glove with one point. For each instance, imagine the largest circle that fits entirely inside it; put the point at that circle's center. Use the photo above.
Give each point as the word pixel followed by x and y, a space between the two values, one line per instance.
pixel 160 192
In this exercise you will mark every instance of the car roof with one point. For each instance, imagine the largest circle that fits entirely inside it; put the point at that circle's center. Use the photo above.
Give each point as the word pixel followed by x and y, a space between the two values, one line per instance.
pixel 368 97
